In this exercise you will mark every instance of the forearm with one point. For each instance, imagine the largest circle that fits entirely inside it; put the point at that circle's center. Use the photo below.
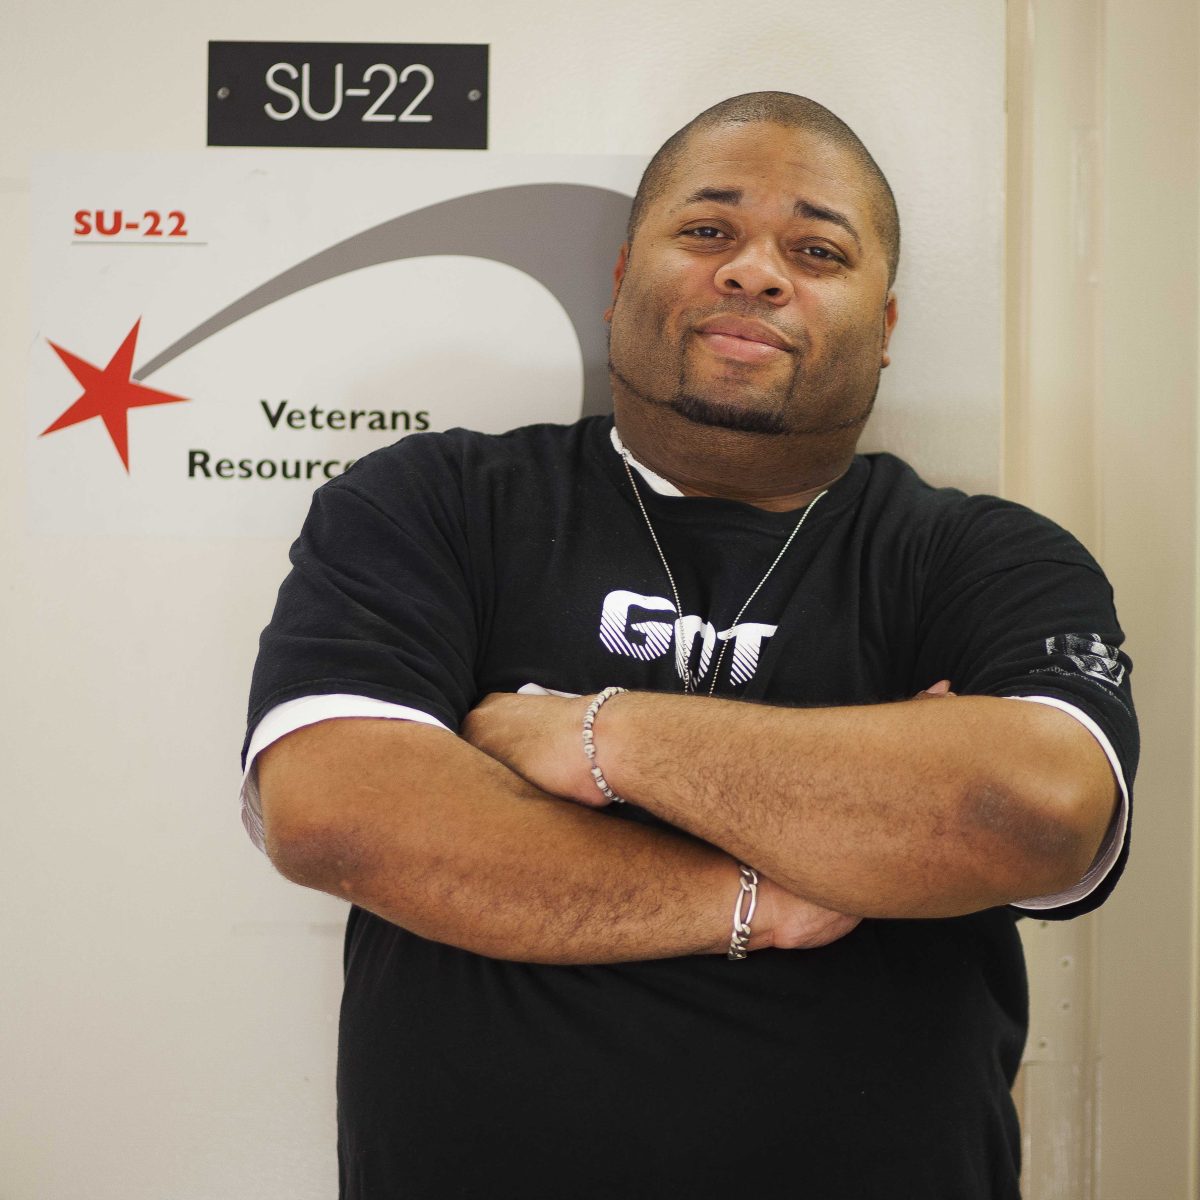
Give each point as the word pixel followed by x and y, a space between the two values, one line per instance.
pixel 429 833
pixel 929 808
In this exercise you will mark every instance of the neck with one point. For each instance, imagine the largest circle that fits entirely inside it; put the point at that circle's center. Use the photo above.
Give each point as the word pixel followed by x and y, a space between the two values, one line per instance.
pixel 775 472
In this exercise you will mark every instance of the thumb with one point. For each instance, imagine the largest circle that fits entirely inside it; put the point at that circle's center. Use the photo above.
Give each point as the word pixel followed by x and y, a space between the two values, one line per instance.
pixel 941 688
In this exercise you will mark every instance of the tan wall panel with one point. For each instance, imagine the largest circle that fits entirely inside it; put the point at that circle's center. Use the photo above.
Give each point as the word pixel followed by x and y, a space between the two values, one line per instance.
pixel 1103 220
pixel 1147 439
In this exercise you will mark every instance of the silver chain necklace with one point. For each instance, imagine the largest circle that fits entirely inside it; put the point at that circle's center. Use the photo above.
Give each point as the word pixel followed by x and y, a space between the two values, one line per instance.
pixel 682 652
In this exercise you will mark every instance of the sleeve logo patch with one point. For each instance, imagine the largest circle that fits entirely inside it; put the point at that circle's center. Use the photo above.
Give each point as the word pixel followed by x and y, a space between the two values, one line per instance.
pixel 1090 655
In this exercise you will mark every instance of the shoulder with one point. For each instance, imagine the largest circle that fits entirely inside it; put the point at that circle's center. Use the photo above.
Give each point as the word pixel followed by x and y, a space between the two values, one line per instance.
pixel 464 465
pixel 467 450
pixel 944 523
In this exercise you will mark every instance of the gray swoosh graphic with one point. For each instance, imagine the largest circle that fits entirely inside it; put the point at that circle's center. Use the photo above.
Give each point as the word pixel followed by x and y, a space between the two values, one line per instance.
pixel 564 235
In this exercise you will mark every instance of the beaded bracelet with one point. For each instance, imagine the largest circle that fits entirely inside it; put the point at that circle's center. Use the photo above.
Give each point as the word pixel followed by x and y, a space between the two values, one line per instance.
pixel 589 742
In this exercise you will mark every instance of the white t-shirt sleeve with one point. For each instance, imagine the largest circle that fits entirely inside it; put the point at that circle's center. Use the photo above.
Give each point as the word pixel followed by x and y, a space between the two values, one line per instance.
pixel 1114 839
pixel 295 714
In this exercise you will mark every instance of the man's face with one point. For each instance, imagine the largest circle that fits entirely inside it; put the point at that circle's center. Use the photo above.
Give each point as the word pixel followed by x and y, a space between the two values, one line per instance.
pixel 755 296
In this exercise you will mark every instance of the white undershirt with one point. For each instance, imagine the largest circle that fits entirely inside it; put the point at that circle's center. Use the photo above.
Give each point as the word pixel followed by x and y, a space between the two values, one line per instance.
pixel 291 715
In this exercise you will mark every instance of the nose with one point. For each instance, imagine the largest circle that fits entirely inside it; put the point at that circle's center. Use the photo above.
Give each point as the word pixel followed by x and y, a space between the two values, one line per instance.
pixel 757 271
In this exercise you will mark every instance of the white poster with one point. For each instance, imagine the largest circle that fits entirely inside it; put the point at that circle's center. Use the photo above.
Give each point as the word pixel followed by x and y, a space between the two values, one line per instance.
pixel 216 334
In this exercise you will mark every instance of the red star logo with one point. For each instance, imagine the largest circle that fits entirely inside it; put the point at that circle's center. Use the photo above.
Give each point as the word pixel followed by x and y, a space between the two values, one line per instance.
pixel 109 393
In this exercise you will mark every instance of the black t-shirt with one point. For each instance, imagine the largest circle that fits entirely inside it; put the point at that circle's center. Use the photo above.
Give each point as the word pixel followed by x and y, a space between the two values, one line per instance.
pixel 453 565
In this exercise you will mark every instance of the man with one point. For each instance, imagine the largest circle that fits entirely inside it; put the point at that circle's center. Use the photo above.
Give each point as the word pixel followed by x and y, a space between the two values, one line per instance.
pixel 540 999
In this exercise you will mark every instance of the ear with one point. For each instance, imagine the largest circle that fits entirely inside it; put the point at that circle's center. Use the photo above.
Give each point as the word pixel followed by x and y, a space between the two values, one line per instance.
pixel 618 275
pixel 891 312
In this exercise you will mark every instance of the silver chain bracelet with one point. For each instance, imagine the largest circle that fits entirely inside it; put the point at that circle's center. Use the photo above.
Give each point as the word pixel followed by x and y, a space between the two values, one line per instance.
pixel 739 942
pixel 589 742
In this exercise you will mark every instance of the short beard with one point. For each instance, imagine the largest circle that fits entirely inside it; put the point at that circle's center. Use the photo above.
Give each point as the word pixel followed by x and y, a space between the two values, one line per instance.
pixel 717 415
pixel 712 413
pixel 726 416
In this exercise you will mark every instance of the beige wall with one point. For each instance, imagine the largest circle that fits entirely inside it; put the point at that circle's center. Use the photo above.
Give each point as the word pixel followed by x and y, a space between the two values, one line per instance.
pixel 169 1004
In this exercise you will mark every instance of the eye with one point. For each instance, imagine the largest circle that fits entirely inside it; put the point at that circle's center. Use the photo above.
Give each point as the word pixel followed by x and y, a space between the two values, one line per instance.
pixel 704 233
pixel 824 254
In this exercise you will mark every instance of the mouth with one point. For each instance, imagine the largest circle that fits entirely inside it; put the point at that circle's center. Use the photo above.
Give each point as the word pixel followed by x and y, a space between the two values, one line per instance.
pixel 742 339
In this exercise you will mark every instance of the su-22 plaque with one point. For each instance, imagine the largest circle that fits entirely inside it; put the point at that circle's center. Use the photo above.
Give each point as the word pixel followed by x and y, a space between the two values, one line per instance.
pixel 352 94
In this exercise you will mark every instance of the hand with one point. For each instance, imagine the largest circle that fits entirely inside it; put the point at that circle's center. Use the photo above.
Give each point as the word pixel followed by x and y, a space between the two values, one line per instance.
pixel 789 922
pixel 538 737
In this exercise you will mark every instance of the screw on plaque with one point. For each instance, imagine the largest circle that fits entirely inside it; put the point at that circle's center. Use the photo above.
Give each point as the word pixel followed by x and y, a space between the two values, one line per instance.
pixel 222 93
pixel 474 94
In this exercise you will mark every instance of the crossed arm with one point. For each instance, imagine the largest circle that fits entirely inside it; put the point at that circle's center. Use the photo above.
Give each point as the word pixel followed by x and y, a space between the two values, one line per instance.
pixel 918 809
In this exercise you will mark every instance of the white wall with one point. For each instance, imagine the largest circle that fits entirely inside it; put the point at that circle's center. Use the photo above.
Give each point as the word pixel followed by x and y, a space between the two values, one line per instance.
pixel 169 1003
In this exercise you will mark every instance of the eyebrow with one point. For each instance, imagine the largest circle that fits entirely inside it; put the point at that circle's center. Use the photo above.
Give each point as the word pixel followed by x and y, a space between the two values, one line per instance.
pixel 716 195
pixel 802 208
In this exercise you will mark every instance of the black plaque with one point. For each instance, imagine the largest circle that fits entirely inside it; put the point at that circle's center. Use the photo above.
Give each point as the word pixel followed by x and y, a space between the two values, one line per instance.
pixel 413 97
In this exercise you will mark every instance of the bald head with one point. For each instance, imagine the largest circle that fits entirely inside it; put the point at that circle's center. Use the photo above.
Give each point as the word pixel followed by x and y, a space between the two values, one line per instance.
pixel 792 112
